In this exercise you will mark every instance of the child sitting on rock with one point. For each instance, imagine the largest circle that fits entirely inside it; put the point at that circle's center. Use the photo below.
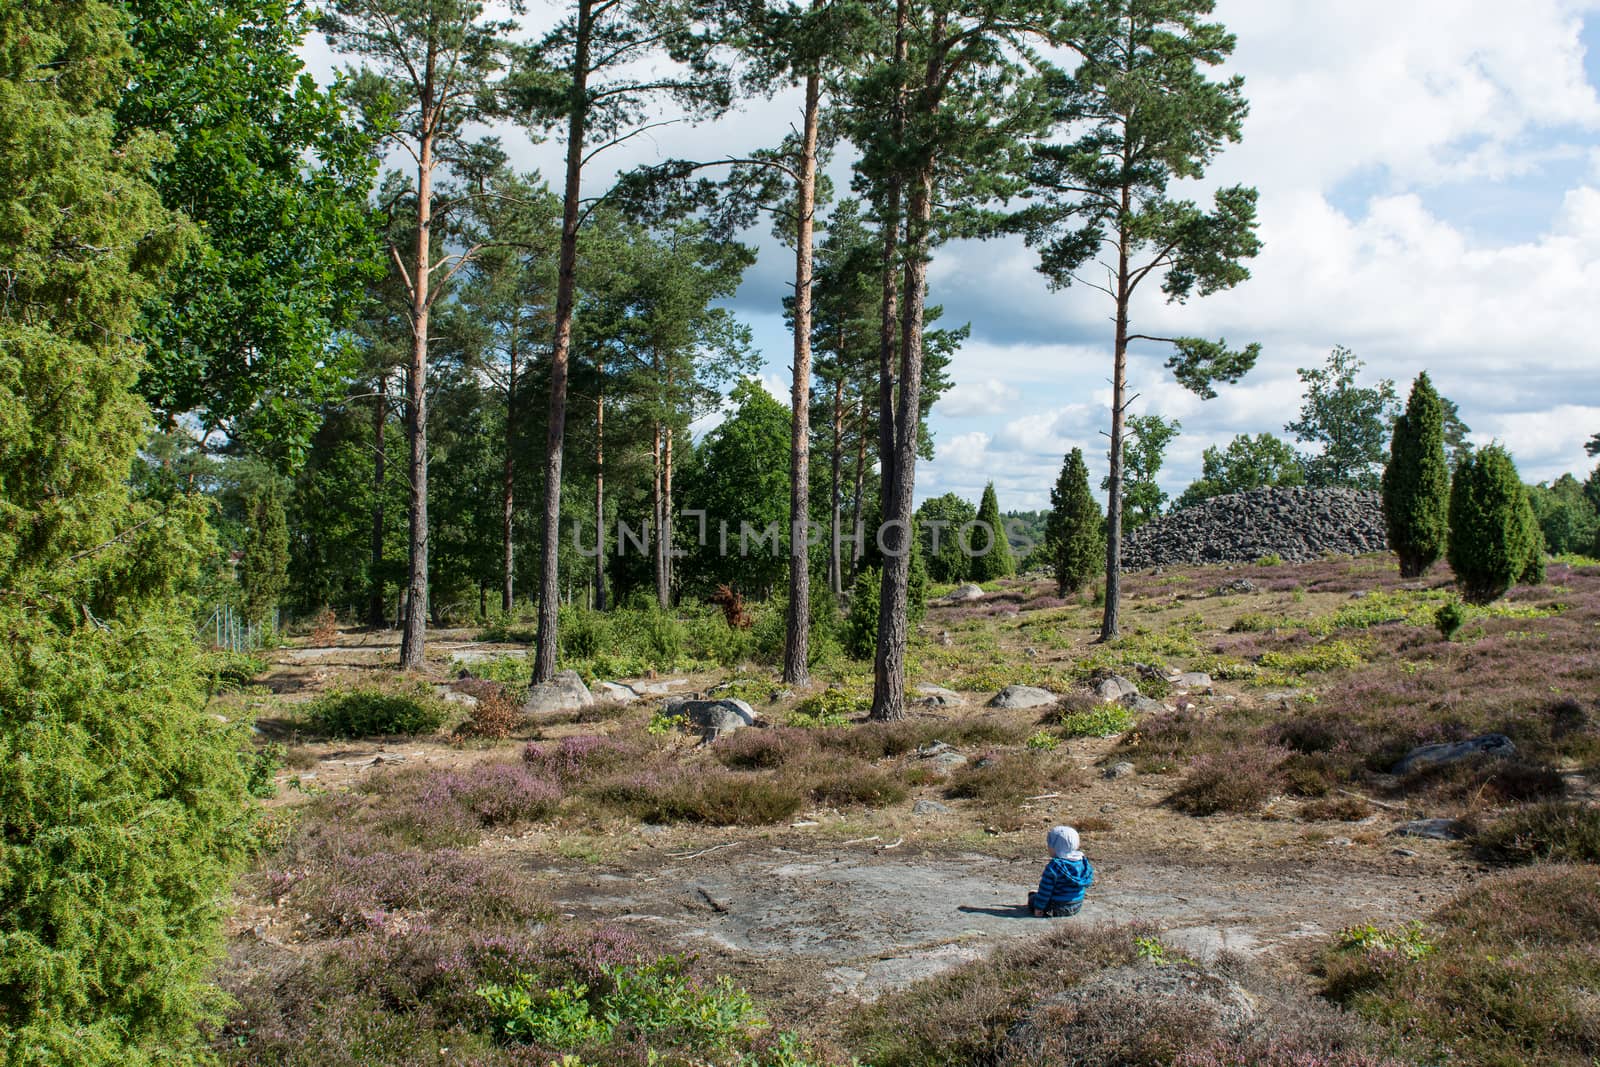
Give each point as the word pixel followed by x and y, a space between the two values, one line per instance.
pixel 1067 877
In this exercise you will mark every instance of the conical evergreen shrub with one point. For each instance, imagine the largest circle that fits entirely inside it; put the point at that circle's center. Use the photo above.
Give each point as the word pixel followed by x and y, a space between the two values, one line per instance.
pixel 1416 483
pixel 1075 530
pixel 1494 539
pixel 997 561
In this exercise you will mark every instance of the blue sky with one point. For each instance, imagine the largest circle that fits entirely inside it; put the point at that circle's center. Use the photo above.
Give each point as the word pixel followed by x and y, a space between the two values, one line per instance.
pixel 1429 174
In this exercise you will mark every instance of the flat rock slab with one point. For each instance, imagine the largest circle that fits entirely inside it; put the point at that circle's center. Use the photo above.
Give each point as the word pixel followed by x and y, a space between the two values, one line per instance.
pixel 1022 696
pixel 930 807
pixel 1496 746
pixel 1192 680
pixel 657 688
pixel 871 921
pixel 563 692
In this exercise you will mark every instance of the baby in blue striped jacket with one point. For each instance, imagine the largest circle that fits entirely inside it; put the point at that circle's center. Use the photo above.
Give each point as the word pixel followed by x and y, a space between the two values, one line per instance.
pixel 1067 877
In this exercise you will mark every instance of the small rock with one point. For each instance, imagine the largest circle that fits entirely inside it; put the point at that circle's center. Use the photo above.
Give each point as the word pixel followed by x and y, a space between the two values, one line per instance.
pixel 723 716
pixel 617 692
pixel 1434 829
pixel 1404 852
pixel 1238 585
pixel 1142 704
pixel 1193 680
pixel 962 594
pixel 1120 769
pixel 466 700
pixel 934 696
pixel 1031 653
pixel 929 807
pixel 1341 842
pixel 1497 746
pixel 948 760
pixel 945 639
pixel 1114 688
pixel 564 692
pixel 657 688
pixel 933 748
pixel 1022 696
pixel 1107 809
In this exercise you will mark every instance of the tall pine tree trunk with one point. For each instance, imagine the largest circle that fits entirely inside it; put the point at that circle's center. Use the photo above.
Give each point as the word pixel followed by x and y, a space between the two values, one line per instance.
pixel 796 649
pixel 377 616
pixel 544 661
pixel 508 481
pixel 666 518
pixel 600 496
pixel 835 577
pixel 856 533
pixel 414 635
pixel 658 563
pixel 889 674
pixel 1119 385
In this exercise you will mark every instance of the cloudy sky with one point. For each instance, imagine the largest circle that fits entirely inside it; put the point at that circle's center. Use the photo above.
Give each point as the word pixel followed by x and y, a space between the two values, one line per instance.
pixel 1429 173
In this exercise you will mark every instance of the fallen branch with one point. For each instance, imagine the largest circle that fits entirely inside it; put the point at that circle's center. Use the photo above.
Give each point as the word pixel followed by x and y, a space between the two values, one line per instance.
pixel 1043 796
pixel 863 840
pixel 716 905
pixel 1374 803
pixel 897 843
pixel 702 852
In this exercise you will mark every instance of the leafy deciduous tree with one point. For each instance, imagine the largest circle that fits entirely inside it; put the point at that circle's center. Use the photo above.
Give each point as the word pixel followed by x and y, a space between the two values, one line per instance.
pixel 1350 422
pixel 1249 462
pixel 1144 451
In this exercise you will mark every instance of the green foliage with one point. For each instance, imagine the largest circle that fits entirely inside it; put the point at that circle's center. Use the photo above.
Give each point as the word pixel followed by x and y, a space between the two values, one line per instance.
pixel 264 566
pixel 277 174
pixel 993 559
pixel 1151 116
pixel 654 1000
pixel 740 478
pixel 1327 656
pixel 1250 462
pixel 1108 720
pixel 1494 540
pixel 860 634
pixel 831 707
pixel 124 815
pixel 1043 741
pixel 1409 941
pixel 1348 421
pixel 1568 515
pixel 1416 483
pixel 1143 453
pixel 1075 531
pixel 399 708
pixel 1450 618
pixel 940 521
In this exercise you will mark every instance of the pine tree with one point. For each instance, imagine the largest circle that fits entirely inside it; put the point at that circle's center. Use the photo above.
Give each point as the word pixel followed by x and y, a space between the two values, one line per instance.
pixel 122 805
pixel 1416 482
pixel 992 554
pixel 1494 539
pixel 1144 115
pixel 1074 535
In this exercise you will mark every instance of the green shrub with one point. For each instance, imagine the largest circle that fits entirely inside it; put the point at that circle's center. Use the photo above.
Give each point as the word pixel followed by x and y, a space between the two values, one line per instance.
pixel 1494 539
pixel 1108 720
pixel 1450 618
pixel 1416 482
pixel 1328 656
pixel 860 636
pixel 652 1000
pixel 1074 535
pixel 1555 831
pixel 831 707
pixel 394 709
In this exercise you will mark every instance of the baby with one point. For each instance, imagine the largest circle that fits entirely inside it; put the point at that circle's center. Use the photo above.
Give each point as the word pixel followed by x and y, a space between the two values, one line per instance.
pixel 1067 877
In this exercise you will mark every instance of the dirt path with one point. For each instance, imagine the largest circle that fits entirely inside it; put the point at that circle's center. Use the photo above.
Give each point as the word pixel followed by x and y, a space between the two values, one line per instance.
pixel 862 921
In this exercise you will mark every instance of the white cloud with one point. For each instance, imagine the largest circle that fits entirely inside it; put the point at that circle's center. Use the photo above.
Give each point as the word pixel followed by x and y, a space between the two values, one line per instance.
pixel 988 397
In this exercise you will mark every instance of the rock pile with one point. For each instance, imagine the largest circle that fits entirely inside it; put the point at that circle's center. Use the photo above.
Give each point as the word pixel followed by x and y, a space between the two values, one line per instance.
pixel 1293 524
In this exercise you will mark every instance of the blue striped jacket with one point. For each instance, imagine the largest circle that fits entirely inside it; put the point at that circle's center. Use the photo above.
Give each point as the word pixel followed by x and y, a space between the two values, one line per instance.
pixel 1064 882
